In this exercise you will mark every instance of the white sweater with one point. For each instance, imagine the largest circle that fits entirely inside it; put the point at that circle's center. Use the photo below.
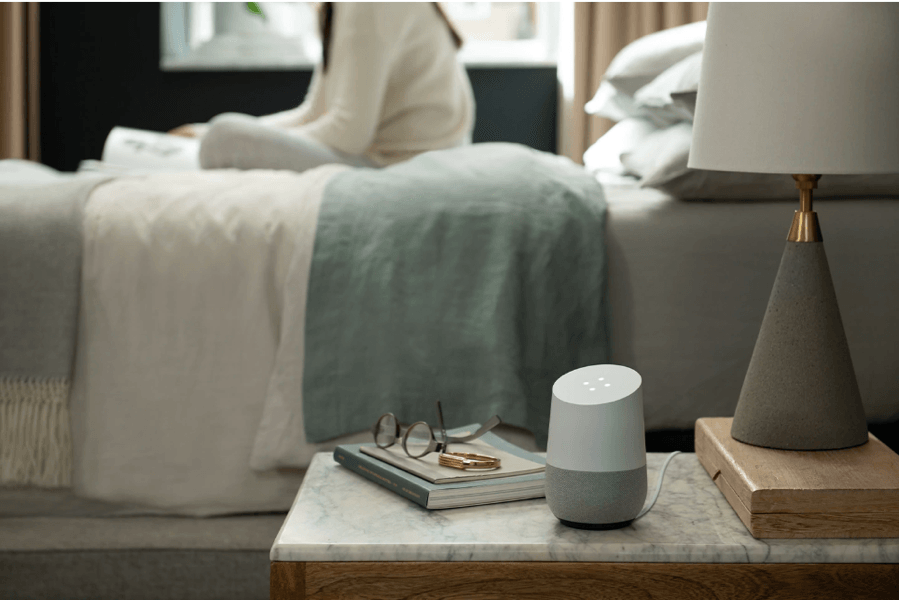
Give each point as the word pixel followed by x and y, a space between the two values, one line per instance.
pixel 393 87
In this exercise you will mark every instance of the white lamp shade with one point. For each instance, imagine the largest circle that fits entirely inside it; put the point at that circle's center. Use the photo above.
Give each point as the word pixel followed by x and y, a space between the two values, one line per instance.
pixel 799 88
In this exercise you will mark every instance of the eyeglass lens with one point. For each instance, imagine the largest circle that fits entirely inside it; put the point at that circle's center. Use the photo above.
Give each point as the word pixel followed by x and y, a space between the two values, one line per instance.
pixel 385 431
pixel 418 440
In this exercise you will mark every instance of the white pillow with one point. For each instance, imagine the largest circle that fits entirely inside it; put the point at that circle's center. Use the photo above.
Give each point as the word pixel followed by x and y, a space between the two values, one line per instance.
pixel 680 79
pixel 661 161
pixel 605 154
pixel 611 103
pixel 644 59
pixel 636 66
pixel 685 102
pixel 614 104
pixel 657 155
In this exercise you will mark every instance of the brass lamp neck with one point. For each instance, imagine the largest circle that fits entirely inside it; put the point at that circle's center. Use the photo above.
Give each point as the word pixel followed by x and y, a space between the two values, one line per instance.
pixel 805 221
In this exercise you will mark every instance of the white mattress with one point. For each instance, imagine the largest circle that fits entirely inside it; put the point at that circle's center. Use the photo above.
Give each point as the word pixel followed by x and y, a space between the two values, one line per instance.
pixel 689 284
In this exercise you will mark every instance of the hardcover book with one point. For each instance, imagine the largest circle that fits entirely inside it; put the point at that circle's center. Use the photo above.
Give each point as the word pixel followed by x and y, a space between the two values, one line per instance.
pixel 473 489
pixel 141 151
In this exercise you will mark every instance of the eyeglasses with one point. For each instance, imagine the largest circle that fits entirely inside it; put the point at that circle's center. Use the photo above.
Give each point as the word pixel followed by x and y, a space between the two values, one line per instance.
pixel 418 439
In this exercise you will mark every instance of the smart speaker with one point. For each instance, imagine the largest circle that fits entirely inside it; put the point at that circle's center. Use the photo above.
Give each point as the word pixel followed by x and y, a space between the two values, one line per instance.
pixel 596 451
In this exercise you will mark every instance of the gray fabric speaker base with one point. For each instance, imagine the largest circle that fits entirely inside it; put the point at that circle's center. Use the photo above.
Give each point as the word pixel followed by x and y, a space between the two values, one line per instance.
pixel 595 498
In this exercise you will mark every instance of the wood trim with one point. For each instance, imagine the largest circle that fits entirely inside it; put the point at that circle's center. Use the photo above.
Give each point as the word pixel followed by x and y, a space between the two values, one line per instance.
pixel 810 525
pixel 824 525
pixel 287 580
pixel 12 80
pixel 499 580
pixel 33 81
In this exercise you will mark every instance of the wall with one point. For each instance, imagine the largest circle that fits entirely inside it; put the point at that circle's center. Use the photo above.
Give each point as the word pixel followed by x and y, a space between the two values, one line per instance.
pixel 100 68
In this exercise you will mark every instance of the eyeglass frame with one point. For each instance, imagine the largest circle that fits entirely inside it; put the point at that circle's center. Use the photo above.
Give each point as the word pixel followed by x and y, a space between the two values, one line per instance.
pixel 433 444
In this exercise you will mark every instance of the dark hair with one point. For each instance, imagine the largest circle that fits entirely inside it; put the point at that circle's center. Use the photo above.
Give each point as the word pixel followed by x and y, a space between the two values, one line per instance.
pixel 326 21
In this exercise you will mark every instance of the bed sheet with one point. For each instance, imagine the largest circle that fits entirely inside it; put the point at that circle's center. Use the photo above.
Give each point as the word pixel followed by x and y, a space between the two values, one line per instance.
pixel 689 284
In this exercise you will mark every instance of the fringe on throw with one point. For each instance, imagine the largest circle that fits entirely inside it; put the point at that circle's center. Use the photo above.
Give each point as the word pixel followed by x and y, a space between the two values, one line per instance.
pixel 35 439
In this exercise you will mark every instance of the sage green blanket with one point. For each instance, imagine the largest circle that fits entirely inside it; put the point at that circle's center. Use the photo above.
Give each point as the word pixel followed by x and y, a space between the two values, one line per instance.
pixel 475 275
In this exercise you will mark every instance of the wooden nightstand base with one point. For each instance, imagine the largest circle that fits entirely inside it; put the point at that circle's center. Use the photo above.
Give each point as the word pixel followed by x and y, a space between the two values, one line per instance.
pixel 517 580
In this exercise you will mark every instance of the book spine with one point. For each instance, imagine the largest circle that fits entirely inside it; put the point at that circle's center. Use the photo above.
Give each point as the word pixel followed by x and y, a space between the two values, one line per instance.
pixel 381 476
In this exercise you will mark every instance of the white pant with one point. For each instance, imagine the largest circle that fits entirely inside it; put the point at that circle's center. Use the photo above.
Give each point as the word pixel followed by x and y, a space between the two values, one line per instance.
pixel 239 141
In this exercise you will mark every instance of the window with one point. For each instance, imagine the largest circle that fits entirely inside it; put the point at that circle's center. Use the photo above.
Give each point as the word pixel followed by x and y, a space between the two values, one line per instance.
pixel 506 33
pixel 226 36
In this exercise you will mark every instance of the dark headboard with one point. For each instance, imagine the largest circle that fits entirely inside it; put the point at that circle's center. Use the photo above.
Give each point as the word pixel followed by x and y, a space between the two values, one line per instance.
pixel 100 68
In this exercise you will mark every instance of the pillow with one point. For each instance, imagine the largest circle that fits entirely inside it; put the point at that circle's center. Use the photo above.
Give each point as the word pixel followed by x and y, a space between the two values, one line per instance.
pixel 614 104
pixel 681 78
pixel 685 102
pixel 605 154
pixel 637 65
pixel 656 155
pixel 644 59
pixel 660 159
pixel 611 103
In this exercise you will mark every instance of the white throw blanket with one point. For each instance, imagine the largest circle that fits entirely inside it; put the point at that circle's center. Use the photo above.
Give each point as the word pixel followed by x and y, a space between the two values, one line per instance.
pixel 182 285
pixel 40 260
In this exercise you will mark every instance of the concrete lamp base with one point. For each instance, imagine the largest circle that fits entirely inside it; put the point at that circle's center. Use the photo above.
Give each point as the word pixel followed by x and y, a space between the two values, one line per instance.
pixel 800 391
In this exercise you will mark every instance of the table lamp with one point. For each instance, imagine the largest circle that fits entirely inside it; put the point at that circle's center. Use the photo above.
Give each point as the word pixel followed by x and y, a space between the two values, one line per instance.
pixel 804 90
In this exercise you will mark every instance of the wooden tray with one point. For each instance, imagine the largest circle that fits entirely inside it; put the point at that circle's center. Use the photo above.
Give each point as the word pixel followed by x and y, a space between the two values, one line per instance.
pixel 851 493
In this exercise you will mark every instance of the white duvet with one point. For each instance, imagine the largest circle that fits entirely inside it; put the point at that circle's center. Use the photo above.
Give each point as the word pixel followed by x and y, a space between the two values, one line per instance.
pixel 180 321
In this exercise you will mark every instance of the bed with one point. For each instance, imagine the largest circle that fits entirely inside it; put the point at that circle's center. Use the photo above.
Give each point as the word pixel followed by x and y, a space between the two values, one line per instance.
pixel 690 339
pixel 179 408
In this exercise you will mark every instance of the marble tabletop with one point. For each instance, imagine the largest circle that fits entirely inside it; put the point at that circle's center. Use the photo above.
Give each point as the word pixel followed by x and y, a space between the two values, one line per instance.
pixel 340 516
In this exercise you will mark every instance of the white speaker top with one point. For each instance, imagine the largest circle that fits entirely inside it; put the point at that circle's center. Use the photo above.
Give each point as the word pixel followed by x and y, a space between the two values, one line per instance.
pixel 596 420
pixel 597 384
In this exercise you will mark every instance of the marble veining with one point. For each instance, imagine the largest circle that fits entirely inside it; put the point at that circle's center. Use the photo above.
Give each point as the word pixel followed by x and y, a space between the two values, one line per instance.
pixel 340 516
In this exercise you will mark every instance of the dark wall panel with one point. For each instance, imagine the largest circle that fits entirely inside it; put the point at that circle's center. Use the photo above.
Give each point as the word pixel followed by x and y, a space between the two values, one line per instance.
pixel 100 68
pixel 516 105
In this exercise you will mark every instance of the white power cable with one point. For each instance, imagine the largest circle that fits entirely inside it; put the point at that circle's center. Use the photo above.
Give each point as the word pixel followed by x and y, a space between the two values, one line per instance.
pixel 655 496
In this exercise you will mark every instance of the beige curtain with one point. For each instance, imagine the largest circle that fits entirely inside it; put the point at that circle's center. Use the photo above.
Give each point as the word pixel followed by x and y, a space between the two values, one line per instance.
pixel 19 83
pixel 601 29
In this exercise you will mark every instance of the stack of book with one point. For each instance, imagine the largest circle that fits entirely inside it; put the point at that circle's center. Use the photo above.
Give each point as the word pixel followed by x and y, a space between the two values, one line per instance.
pixel 422 480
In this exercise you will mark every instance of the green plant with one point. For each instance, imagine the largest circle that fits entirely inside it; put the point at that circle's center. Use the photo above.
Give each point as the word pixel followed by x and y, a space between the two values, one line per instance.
pixel 253 7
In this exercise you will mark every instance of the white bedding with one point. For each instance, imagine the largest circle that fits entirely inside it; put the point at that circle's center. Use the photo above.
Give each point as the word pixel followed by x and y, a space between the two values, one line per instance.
pixel 187 270
pixel 180 318
pixel 180 321
pixel 689 284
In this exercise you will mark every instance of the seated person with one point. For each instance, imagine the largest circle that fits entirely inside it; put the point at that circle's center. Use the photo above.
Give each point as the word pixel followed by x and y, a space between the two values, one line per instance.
pixel 389 87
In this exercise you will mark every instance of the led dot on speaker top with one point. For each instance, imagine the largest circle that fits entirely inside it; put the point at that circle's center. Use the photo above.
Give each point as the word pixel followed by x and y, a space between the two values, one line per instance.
pixel 602 378
pixel 586 383
pixel 608 384
pixel 592 389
